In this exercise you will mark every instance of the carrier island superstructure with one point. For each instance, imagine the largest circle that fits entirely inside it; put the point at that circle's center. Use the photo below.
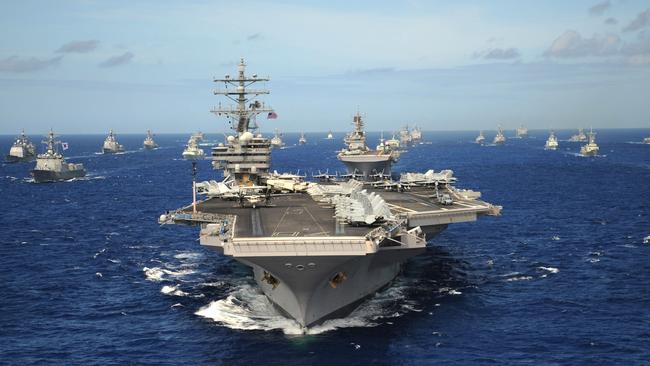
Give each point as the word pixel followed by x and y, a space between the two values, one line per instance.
pixel 316 249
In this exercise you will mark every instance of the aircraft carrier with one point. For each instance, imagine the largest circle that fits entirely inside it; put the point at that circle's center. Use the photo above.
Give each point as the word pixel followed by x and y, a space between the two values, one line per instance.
pixel 361 161
pixel 316 249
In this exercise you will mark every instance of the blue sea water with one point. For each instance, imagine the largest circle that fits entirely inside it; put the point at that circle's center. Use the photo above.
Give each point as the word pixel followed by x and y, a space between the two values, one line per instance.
pixel 562 277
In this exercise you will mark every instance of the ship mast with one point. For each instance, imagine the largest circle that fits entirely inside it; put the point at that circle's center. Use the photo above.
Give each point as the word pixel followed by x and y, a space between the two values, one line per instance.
pixel 243 115
pixel 51 143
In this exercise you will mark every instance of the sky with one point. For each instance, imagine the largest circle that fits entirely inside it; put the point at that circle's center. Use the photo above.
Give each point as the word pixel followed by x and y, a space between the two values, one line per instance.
pixel 86 66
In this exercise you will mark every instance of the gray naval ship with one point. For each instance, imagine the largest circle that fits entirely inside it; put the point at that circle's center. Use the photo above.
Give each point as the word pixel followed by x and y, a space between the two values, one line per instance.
pixel 359 159
pixel 21 150
pixel 316 249
pixel 51 165
pixel 111 146
pixel 149 142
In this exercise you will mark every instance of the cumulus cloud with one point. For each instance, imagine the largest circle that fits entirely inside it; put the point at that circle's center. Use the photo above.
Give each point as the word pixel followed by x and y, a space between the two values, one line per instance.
pixel 122 59
pixel 78 47
pixel 611 21
pixel 600 8
pixel 17 64
pixel 642 20
pixel 572 44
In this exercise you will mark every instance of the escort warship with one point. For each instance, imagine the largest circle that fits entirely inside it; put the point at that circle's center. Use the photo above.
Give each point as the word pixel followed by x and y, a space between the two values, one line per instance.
pixel 591 148
pixel 480 139
pixel 316 249
pixel 551 142
pixel 192 150
pixel 302 140
pixel 646 140
pixel 21 150
pixel 359 159
pixel 276 141
pixel 416 135
pixel 405 136
pixel 521 132
pixel 111 146
pixel 148 142
pixel 499 139
pixel 579 137
pixel 330 136
pixel 51 165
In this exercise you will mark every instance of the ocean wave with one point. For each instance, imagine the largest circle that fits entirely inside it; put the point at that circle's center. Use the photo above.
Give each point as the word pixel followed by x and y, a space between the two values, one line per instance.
pixel 519 278
pixel 549 269
pixel 158 274
pixel 173 291
pixel 646 240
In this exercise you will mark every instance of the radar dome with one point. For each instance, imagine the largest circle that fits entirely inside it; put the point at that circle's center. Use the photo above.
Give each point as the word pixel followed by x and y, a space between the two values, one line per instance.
pixel 231 139
pixel 246 136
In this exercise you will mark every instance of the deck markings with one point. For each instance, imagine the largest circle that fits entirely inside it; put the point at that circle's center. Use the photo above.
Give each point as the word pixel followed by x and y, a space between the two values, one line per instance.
pixel 256 224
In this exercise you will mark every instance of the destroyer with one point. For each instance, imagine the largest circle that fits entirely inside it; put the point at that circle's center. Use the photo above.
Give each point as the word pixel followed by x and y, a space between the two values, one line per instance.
pixel 590 149
pixel 330 136
pixel 302 140
pixel 111 146
pixel 192 150
pixel 21 150
pixel 148 142
pixel 317 249
pixel 579 137
pixel 521 132
pixel 276 141
pixel 359 159
pixel 416 135
pixel 551 142
pixel 51 165
pixel 480 139
pixel 499 139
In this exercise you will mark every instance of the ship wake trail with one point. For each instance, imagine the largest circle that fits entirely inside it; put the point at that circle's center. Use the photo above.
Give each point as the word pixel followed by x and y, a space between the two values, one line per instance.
pixel 247 308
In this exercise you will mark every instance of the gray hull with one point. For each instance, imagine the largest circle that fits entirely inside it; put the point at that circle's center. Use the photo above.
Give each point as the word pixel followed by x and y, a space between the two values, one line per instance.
pixel 368 167
pixel 305 291
pixel 16 159
pixel 44 176
pixel 112 151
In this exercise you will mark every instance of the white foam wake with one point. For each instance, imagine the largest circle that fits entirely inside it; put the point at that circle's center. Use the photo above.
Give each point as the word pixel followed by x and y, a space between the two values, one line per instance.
pixel 247 308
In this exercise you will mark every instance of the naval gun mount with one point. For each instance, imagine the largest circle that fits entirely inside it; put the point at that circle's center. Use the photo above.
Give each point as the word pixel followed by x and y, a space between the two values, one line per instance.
pixel 318 249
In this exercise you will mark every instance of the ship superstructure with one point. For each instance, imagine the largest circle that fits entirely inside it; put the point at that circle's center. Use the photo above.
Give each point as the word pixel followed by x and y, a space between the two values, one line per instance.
pixel 499 139
pixel 111 146
pixel 361 161
pixel 148 142
pixel 51 165
pixel 192 150
pixel 551 142
pixel 521 132
pixel 302 140
pixel 591 148
pixel 316 250
pixel 21 150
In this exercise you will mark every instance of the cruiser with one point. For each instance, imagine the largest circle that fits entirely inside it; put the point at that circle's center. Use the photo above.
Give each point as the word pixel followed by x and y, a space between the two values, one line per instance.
pixel 192 150
pixel 499 139
pixel 551 142
pixel 316 250
pixel 360 160
pixel 590 149
pixel 521 132
pixel 302 140
pixel 51 165
pixel 330 136
pixel 480 139
pixel 579 137
pixel 276 141
pixel 149 143
pixel 111 146
pixel 21 150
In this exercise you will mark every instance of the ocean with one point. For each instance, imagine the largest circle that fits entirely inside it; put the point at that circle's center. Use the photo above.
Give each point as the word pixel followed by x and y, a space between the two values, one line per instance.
pixel 561 278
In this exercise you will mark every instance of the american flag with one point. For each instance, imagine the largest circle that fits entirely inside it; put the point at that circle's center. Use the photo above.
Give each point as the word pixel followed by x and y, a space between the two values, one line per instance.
pixel 272 115
pixel 64 145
